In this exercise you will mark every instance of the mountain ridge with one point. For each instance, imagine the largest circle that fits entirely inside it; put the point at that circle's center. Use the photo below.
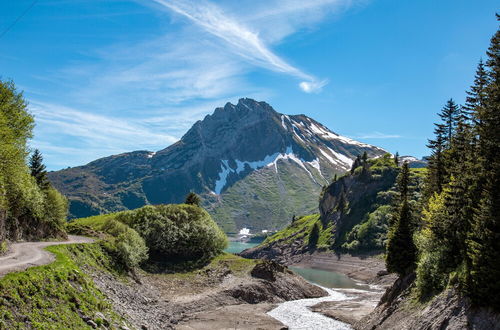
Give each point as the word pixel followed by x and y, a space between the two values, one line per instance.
pixel 235 143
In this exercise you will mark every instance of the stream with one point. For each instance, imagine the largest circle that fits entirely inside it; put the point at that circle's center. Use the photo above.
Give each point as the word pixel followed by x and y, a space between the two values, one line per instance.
pixel 296 313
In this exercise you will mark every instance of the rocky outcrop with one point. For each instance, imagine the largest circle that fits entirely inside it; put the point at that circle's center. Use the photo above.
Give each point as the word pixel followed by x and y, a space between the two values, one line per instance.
pixel 397 309
pixel 255 167
pixel 345 202
pixel 279 251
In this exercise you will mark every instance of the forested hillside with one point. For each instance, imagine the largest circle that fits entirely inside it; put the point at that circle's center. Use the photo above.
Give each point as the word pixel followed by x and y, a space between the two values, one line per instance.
pixel 355 213
pixel 446 248
pixel 458 238
pixel 30 208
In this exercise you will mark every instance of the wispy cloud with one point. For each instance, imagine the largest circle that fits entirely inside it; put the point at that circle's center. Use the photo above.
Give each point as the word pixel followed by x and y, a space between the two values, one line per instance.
pixel 241 39
pixel 89 135
pixel 377 135
pixel 149 91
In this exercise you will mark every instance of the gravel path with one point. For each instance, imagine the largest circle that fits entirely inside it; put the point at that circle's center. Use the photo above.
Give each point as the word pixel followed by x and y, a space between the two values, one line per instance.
pixel 28 254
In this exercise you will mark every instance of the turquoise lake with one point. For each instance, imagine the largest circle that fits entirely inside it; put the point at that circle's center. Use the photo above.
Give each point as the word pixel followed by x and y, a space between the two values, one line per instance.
pixel 237 247
pixel 320 277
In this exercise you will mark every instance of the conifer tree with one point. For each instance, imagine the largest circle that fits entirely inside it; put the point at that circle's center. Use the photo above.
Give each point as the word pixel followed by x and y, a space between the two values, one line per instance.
pixel 365 157
pixel 476 96
pixel 356 164
pixel 449 116
pixel 401 251
pixel 38 169
pixel 484 240
pixel 396 158
pixel 314 236
pixel 193 199
pixel 436 171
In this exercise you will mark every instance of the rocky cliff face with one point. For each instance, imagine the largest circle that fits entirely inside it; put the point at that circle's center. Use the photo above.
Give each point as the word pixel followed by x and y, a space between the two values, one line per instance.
pixel 253 167
pixel 347 201
pixel 448 310
pixel 344 204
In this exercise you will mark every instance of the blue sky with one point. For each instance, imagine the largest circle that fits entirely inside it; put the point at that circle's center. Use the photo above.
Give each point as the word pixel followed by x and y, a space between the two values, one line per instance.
pixel 109 76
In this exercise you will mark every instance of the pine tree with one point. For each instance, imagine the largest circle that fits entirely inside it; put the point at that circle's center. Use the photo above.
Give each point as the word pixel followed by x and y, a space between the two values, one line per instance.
pixel 396 158
pixel 436 172
pixel 365 157
pixel 401 250
pixel 484 240
pixel 193 199
pixel 449 115
pixel 38 169
pixel 356 164
pixel 314 236
pixel 476 96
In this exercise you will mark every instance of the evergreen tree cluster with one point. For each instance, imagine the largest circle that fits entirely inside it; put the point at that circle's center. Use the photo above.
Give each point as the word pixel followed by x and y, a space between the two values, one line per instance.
pixel 457 242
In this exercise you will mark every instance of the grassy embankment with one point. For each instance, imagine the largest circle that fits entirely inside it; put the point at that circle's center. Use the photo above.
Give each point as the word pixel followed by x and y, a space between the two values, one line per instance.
pixel 59 295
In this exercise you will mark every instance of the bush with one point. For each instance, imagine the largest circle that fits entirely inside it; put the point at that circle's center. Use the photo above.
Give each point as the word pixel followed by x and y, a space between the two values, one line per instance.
pixel 125 243
pixel 370 234
pixel 177 232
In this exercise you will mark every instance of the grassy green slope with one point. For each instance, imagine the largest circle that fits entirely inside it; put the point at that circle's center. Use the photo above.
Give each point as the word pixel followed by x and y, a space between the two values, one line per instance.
pixel 59 295
pixel 269 199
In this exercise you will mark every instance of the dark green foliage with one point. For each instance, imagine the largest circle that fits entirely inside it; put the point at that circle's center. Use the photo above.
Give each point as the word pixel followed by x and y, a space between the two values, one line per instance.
pixel 193 199
pixel 356 164
pixel 354 206
pixel 459 239
pixel 396 158
pixel 314 236
pixel 370 234
pixel 484 239
pixel 401 251
pixel 436 174
pixel 176 232
pixel 38 170
pixel 449 116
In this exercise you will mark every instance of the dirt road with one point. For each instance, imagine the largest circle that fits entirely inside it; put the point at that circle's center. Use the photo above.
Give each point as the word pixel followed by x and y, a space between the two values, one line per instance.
pixel 24 255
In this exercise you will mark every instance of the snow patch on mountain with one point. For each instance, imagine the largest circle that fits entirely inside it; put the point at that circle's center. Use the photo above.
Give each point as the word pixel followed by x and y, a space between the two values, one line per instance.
pixel 283 122
pixel 268 161
pixel 324 133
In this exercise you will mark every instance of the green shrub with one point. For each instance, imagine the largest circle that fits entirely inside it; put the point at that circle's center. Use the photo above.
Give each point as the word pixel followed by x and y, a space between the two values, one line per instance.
pixel 176 232
pixel 125 243
pixel 370 234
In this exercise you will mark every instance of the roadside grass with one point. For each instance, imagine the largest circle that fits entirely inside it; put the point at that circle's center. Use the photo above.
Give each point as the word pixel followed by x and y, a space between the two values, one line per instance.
pixel 59 295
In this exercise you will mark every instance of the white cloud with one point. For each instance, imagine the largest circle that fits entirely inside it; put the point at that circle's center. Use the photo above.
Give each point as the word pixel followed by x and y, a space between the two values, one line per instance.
pixel 377 135
pixel 313 86
pixel 241 39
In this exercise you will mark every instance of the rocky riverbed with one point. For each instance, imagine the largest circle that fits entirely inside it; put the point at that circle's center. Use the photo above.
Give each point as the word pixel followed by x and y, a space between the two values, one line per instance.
pixel 229 293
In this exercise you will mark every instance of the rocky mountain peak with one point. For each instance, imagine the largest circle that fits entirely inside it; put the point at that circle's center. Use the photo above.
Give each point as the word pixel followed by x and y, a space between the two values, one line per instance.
pixel 248 145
